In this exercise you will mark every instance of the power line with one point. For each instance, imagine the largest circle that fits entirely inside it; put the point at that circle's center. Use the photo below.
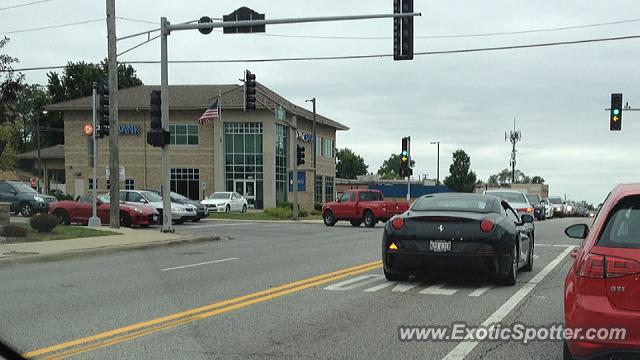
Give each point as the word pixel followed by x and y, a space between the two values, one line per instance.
pixel 54 26
pixel 316 58
pixel 137 20
pixel 520 32
pixel 23 5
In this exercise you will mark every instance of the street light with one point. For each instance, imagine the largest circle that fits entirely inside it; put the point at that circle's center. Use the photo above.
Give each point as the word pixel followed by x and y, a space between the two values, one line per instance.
pixel 438 165
pixel 43 112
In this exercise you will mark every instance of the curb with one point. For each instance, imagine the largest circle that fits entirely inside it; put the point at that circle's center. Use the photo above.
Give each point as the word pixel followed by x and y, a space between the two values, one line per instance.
pixel 32 258
pixel 319 221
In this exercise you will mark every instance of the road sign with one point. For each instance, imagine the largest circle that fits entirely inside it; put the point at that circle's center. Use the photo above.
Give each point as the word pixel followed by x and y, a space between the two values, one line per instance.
pixel 302 180
pixel 121 174
pixel 243 14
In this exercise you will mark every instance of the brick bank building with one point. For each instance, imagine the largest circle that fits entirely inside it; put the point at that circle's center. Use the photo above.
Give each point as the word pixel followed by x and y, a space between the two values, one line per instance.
pixel 248 152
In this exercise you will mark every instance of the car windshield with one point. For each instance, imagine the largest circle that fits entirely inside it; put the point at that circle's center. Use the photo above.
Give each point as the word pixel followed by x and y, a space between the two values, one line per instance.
pixel 473 203
pixel 508 196
pixel 151 196
pixel 220 196
pixel 105 198
pixel 23 188
pixel 555 200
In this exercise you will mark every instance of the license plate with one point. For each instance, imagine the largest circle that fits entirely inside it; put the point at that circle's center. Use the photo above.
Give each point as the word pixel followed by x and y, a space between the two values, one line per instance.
pixel 155 217
pixel 440 245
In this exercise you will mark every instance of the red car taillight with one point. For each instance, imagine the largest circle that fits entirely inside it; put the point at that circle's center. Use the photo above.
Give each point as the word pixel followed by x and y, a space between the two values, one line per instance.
pixel 397 222
pixel 594 266
pixel 528 210
pixel 486 225
pixel 617 267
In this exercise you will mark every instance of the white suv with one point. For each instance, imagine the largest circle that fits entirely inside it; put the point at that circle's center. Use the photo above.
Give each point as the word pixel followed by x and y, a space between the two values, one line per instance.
pixel 179 213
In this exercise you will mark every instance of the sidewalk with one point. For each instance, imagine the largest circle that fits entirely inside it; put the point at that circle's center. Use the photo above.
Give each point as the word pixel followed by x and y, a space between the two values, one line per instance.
pixel 127 239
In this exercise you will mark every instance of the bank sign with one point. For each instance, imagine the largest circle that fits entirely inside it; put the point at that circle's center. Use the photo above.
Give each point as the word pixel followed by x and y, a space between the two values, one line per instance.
pixel 129 130
pixel 304 137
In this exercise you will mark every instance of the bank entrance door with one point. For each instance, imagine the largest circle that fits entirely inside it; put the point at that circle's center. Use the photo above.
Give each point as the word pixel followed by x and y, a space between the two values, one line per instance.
pixel 247 188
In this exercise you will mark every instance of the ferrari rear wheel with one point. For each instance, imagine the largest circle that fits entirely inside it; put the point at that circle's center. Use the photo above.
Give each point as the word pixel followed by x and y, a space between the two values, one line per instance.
pixel 529 265
pixel 62 216
pixel 125 219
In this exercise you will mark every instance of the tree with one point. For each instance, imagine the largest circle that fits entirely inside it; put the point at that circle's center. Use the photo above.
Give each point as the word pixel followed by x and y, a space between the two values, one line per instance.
pixel 537 180
pixel 31 100
pixel 349 164
pixel 10 85
pixel 390 168
pixel 504 177
pixel 461 178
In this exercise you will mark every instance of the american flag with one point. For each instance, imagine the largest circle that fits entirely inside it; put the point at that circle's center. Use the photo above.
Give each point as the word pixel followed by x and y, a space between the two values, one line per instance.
pixel 211 113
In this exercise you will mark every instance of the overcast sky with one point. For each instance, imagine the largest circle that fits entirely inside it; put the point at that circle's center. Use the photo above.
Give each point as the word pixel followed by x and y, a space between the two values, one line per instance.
pixel 468 101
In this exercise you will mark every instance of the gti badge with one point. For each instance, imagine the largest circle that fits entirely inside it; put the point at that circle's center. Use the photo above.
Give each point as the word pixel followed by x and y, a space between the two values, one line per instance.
pixel 441 228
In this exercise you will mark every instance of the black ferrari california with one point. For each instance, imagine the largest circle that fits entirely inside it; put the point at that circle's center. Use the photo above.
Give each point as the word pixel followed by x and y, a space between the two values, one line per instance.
pixel 456 231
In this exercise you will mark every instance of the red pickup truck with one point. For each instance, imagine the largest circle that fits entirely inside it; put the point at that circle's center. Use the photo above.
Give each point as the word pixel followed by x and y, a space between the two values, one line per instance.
pixel 362 206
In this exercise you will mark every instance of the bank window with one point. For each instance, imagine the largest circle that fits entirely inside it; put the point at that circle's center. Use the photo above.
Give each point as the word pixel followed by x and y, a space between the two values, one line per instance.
pixel 328 148
pixel 184 134
pixel 91 184
pixel 318 146
pixel 129 184
pixel 328 189
pixel 318 190
pixel 108 184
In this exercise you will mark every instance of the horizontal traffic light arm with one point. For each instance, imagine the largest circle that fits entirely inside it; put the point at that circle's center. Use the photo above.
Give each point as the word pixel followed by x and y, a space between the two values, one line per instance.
pixel 221 24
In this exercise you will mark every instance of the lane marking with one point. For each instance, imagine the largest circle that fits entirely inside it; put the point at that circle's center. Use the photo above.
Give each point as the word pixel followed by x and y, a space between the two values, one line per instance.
pixel 384 285
pixel 355 282
pixel 481 290
pixel 438 289
pixel 112 337
pixel 556 245
pixel 198 264
pixel 213 225
pixel 464 348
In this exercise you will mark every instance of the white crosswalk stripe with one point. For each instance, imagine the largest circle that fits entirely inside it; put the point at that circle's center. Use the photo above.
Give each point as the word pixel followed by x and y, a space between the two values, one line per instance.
pixel 479 291
pixel 364 282
pixel 438 289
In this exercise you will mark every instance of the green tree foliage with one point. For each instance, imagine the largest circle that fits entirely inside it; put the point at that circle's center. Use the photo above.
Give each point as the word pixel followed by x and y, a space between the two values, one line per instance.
pixel 504 177
pixel 349 164
pixel 537 180
pixel 31 101
pixel 10 85
pixel 390 168
pixel 461 178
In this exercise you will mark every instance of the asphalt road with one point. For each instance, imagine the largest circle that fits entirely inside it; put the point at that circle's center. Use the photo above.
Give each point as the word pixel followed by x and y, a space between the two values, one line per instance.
pixel 270 290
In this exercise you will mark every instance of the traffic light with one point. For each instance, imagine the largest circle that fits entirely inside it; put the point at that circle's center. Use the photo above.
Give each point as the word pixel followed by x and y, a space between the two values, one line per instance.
pixel 103 112
pixel 249 91
pixel 615 118
pixel 157 136
pixel 405 159
pixel 300 155
pixel 402 30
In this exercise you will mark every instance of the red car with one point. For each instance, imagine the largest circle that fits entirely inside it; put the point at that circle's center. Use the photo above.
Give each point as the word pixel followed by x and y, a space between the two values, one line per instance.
pixel 80 211
pixel 362 206
pixel 602 289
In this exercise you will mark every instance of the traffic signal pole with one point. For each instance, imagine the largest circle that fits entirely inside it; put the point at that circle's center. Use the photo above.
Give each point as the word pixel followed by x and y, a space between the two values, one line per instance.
pixel 167 225
pixel 94 220
pixel 409 175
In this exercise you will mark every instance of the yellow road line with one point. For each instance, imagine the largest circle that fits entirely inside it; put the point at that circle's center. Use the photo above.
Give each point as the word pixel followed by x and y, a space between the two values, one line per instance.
pixel 147 327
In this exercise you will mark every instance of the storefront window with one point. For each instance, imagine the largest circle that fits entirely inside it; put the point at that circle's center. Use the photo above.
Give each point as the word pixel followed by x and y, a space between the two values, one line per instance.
pixel 281 163
pixel 328 148
pixel 184 134
pixel 186 182
pixel 243 160
pixel 318 146
pixel 318 190
pixel 328 180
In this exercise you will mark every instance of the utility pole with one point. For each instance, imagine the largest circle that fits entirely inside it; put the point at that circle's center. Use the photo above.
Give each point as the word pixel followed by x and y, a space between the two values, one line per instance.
pixel 38 146
pixel 167 225
pixel 294 176
pixel 114 160
pixel 409 175
pixel 94 220
pixel 514 136
pixel 438 162
pixel 315 146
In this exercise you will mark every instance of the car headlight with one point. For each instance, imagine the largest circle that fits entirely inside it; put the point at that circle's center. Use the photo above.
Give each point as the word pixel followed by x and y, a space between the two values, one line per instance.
pixel 38 198
pixel 138 210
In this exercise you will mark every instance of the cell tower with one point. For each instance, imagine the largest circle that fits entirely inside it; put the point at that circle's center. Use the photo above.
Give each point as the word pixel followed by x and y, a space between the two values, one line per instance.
pixel 514 136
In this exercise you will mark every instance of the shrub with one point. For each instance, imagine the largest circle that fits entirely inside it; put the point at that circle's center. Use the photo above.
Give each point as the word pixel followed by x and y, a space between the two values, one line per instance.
pixel 279 212
pixel 13 230
pixel 303 213
pixel 286 205
pixel 316 213
pixel 317 206
pixel 43 223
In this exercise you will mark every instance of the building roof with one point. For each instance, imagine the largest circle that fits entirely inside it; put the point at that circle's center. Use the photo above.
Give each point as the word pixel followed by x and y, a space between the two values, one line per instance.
pixel 194 97
pixel 55 152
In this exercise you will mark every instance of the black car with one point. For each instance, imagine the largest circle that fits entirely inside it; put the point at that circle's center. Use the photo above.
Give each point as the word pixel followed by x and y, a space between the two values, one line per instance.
pixel 539 210
pixel 23 198
pixel 201 210
pixel 444 232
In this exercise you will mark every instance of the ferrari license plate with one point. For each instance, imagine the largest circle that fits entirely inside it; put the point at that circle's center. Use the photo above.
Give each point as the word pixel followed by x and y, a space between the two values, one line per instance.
pixel 155 218
pixel 440 245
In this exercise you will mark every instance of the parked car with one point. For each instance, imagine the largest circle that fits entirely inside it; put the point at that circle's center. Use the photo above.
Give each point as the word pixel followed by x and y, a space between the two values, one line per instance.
pixel 602 287
pixel 225 201
pixel 558 206
pixel 518 202
pixel 80 210
pixel 548 208
pixel 362 206
pixel 455 231
pixel 179 213
pixel 538 206
pixel 23 198
pixel 201 210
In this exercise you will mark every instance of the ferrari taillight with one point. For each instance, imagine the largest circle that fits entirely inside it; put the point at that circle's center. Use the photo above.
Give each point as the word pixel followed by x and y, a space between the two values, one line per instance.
pixel 397 222
pixel 486 225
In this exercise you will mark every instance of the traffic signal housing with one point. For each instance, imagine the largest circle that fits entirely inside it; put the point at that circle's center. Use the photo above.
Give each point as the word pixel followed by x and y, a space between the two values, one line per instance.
pixel 615 117
pixel 103 111
pixel 405 158
pixel 157 136
pixel 403 30
pixel 249 91
pixel 300 155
